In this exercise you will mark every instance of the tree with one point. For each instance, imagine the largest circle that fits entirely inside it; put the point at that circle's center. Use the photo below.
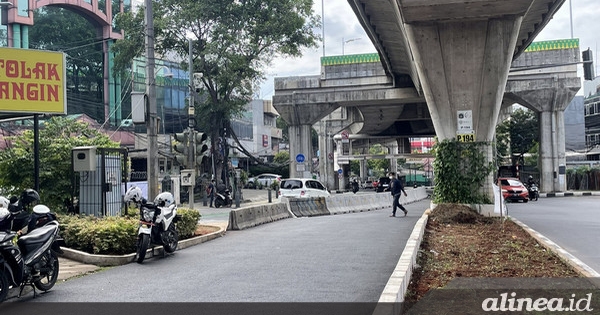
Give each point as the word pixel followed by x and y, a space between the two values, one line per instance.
pixel 57 137
pixel 378 166
pixel 234 42
pixel 519 134
pixel 282 157
pixel 59 29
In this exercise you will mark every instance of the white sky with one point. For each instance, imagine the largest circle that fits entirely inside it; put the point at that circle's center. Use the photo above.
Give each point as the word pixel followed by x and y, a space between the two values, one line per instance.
pixel 341 24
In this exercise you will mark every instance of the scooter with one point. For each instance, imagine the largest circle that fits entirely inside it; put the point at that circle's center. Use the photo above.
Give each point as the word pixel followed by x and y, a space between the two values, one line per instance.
pixel 222 199
pixel 534 193
pixel 32 260
pixel 157 222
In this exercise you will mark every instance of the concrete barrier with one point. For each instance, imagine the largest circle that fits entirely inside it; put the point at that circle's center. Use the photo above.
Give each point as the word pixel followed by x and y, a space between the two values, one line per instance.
pixel 244 218
pixel 349 203
pixel 308 207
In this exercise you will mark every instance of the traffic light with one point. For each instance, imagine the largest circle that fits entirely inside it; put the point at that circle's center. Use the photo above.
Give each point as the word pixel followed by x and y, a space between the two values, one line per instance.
pixel 181 148
pixel 588 65
pixel 202 147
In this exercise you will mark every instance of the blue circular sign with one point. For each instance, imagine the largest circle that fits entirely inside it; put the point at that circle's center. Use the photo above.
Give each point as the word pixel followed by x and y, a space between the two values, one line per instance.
pixel 340 171
pixel 300 158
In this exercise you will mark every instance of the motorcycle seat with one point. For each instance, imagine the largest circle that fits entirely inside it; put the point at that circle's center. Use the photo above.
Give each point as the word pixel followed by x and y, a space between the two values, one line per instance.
pixel 39 235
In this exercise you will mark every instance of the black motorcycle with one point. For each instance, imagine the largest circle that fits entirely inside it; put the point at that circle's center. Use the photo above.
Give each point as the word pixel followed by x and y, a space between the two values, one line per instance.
pixel 534 193
pixel 223 199
pixel 30 261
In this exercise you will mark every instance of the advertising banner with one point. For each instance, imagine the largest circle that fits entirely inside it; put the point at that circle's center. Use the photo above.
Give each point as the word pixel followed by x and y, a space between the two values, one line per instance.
pixel 32 81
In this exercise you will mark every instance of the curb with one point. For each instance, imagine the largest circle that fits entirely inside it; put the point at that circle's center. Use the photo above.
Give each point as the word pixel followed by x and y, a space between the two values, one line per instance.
pixel 396 287
pixel 565 256
pixel 117 260
pixel 570 194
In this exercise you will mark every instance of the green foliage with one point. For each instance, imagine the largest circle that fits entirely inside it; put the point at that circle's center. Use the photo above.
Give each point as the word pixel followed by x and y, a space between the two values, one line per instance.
pixel 461 169
pixel 243 178
pixel 234 43
pixel 355 167
pixel 378 166
pixel 186 227
pixel 110 235
pixel 517 135
pixel 284 126
pixel 282 157
pixel 57 137
pixel 114 235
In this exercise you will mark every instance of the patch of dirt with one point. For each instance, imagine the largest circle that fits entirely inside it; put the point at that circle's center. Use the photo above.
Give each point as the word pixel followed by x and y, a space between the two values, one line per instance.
pixel 205 229
pixel 458 242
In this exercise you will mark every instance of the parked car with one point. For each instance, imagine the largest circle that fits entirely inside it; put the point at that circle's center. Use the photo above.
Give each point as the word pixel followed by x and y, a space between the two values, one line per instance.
pixel 302 188
pixel 383 184
pixel 513 189
pixel 368 184
pixel 375 183
pixel 263 179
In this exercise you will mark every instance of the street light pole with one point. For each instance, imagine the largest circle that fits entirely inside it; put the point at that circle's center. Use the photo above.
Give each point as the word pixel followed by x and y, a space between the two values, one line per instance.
pixel 344 42
pixel 151 116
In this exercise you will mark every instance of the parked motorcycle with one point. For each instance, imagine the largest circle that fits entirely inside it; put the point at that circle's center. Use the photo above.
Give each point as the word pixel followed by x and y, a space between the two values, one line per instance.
pixel 157 222
pixel 30 259
pixel 534 193
pixel 223 199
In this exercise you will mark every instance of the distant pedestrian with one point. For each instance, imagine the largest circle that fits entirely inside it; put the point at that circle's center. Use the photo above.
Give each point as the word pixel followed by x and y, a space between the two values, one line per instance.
pixel 210 190
pixel 397 189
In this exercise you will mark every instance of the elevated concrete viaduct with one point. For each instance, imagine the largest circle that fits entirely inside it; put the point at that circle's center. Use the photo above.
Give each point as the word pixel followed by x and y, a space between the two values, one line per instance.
pixel 446 55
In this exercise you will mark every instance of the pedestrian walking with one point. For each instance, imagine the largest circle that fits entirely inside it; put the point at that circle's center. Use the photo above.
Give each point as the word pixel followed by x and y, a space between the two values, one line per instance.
pixel 210 190
pixel 397 189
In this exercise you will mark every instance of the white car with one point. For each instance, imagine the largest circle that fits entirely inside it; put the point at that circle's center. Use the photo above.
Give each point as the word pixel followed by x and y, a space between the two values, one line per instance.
pixel 302 188
pixel 263 179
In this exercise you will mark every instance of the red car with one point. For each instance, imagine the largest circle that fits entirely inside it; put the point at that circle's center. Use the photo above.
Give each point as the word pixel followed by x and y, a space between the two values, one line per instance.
pixel 375 183
pixel 513 189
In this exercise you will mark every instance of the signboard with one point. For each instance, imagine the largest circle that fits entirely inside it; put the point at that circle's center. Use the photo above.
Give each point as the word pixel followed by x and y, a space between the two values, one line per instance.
pixel 300 168
pixel 465 137
pixel 300 158
pixel 32 81
pixel 340 171
pixel 330 156
pixel 345 136
pixel 464 119
pixel 265 141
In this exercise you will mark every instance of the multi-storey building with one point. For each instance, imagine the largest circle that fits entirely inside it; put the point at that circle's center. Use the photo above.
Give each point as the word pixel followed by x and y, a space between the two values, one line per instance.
pixel 592 119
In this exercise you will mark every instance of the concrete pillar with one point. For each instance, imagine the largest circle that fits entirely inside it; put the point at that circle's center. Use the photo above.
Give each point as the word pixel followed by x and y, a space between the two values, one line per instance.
pixel 326 171
pixel 549 98
pixel 463 66
pixel 552 151
pixel 363 169
pixel 300 143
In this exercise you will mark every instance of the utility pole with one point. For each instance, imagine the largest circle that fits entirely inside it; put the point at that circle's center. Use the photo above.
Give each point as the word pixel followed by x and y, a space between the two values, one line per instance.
pixel 191 123
pixel 151 115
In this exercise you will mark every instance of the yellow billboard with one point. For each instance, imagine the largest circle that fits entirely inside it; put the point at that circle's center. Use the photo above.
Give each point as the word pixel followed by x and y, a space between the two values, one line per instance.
pixel 32 81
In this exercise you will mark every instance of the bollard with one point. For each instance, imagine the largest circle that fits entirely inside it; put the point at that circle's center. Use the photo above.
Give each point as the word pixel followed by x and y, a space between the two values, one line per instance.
pixel 269 194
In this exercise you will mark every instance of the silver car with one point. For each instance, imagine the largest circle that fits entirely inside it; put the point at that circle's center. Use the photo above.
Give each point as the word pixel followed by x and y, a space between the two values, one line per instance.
pixel 302 188
pixel 265 180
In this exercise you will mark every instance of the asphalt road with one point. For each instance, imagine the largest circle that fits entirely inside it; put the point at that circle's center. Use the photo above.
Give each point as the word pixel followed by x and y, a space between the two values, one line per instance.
pixel 337 258
pixel 573 223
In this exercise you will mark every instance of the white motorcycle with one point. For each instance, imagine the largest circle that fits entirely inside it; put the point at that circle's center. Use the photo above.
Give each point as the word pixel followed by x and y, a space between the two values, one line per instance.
pixel 157 222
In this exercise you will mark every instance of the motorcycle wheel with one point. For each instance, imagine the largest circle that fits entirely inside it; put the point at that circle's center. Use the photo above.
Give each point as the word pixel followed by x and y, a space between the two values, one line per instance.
pixel 142 247
pixel 3 286
pixel 48 272
pixel 218 203
pixel 170 239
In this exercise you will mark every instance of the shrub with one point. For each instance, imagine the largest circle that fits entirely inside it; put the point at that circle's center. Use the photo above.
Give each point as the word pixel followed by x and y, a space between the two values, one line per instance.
pixel 188 223
pixel 109 235
pixel 114 235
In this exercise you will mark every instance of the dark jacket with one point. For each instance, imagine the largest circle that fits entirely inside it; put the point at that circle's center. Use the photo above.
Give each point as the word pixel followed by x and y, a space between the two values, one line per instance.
pixel 396 186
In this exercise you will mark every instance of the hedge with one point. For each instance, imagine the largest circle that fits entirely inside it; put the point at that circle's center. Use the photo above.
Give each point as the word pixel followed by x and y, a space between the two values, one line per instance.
pixel 114 235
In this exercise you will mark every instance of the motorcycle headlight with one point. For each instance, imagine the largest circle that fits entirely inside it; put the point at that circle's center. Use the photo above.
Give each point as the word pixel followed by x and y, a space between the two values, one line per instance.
pixel 148 215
